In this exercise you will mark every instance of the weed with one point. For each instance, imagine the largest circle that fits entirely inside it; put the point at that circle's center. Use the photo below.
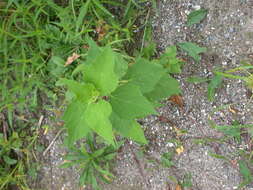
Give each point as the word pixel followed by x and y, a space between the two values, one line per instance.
pixel 166 159
pixel 112 95
pixel 94 163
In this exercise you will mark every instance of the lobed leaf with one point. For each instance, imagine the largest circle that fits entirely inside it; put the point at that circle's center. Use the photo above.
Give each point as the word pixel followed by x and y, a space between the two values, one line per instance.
pixel 75 122
pixel 129 103
pixel 121 66
pixel 83 92
pixel 192 49
pixel 166 87
pixel 97 117
pixel 128 128
pixel 100 72
pixel 144 74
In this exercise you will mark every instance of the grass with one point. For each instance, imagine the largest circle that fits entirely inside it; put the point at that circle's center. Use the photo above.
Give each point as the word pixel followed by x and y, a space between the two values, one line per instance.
pixel 36 37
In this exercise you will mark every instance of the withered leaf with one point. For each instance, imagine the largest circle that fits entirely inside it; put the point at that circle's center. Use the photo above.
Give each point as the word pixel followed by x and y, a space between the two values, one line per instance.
pixel 71 59
pixel 178 187
pixel 178 100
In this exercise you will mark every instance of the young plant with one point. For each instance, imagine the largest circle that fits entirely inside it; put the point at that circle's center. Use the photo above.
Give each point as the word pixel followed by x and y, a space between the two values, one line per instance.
pixel 94 163
pixel 112 95
pixel 245 68
pixel 12 172
pixel 213 84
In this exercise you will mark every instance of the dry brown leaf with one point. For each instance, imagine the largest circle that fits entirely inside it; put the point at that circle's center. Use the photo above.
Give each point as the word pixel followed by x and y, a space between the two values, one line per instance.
pixel 101 29
pixel 71 59
pixel 180 150
pixel 178 100
pixel 164 119
pixel 178 187
pixel 233 110
pixel 234 163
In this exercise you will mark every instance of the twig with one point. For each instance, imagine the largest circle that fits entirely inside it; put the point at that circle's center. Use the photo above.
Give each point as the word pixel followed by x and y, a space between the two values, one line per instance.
pixel 52 142
pixel 40 121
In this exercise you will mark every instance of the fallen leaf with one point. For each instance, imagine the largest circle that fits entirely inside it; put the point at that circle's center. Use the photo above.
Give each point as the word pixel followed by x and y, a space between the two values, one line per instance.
pixel 85 46
pixel 180 150
pixel 233 110
pixel 71 59
pixel 178 187
pixel 101 29
pixel 178 100
pixel 164 120
pixel 234 163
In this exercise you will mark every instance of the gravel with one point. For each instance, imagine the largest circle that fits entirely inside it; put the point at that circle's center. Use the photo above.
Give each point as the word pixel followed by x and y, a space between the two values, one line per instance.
pixel 227 32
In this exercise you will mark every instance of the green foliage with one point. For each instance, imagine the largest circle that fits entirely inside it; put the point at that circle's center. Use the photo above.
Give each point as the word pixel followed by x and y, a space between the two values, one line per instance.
pixel 144 74
pixel 187 180
pixel 94 162
pixel 12 168
pixel 192 50
pixel 166 87
pixel 196 79
pixel 233 131
pixel 212 86
pixel 100 71
pixel 104 104
pixel 246 173
pixel 245 69
pixel 196 16
pixel 170 61
pixel 166 159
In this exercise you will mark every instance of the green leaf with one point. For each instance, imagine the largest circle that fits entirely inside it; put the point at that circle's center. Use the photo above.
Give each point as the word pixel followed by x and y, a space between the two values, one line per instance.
pixel 97 117
pixel 56 66
pixel 128 128
pixel 233 131
pixel 166 159
pixel 83 92
pixel 9 160
pixel 93 51
pixel 121 66
pixel 129 103
pixel 144 74
pixel 213 85
pixel 100 72
pixel 196 79
pixel 101 7
pixel 192 50
pixel 196 16
pixel 245 171
pixel 102 171
pixel 75 123
pixel 82 14
pixel 170 61
pixel 166 87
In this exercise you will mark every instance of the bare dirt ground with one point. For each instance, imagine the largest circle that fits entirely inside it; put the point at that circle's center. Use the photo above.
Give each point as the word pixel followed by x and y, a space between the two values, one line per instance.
pixel 227 32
